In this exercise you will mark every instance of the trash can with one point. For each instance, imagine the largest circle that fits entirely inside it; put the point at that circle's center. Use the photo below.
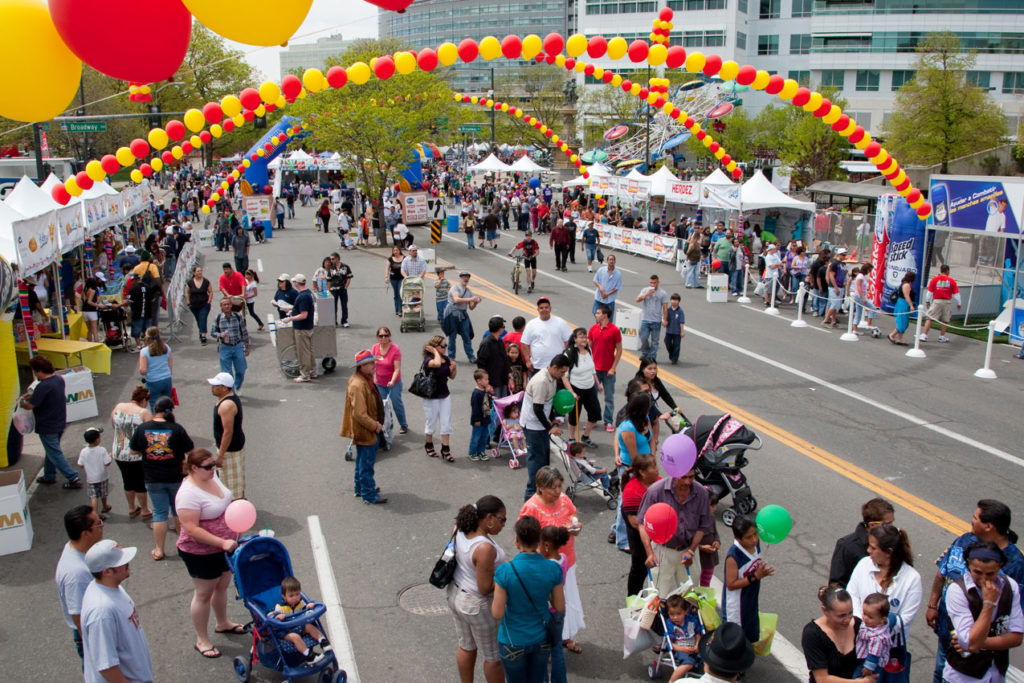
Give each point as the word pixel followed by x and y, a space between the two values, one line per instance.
pixel 717 288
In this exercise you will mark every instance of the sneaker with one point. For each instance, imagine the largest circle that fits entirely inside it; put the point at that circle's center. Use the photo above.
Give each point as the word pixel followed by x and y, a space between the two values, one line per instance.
pixel 924 337
pixel 75 483
pixel 404 430
pixel 586 441
pixel 302 380
pixel 590 269
pixel 344 324
pixel 608 427
pixel 943 339
pixel 43 480
pixel 485 456
pixel 475 457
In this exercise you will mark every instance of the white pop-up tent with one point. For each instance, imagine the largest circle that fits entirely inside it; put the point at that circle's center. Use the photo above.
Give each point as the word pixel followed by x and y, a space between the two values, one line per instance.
pixel 665 183
pixel 491 164
pixel 29 199
pixel 718 192
pixel 759 193
pixel 525 164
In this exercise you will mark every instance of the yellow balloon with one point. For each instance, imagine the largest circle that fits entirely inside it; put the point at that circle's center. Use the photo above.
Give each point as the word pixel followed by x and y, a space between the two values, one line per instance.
pixel 574 158
pixel 519 113
pixel 40 74
pixel 652 97
pixel 504 108
pixel 900 177
pixel 195 142
pixel 720 153
pixel 235 174
pixel 157 164
pixel 205 209
pixel 474 100
pixel 880 158
pixel 136 175
pixel 707 141
pixel 543 129
pixel 280 102
pixel 617 47
pixel 71 185
pixel 94 170
pixel 668 108
pixel 325 85
pixel 238 120
pixel 261 152
pixel 695 62
pixel 447 54
pixel 194 120
pixel 489 48
pixel 579 66
pixel 269 92
pixel 260 111
pixel 224 186
pixel 833 115
pixel 532 45
pixel 231 105
pixel 405 63
pixel 275 141
pixel 598 72
pixel 124 156
pixel 157 138
pixel 490 103
pixel 848 131
pixel 313 79
pixel 263 22
pixel 576 45
pixel 616 81
pixel 177 152
pixel 302 94
pixel 634 89
pixel 789 88
pixel 358 73
pixel 814 103
pixel 760 80
pixel 246 163
pixel 216 130
pixel 215 196
pixel 864 141
pixel 554 140
pixel 657 54
pixel 731 166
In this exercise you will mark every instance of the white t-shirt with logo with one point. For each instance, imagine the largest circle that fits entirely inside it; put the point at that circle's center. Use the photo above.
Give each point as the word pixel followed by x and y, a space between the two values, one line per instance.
pixel 112 635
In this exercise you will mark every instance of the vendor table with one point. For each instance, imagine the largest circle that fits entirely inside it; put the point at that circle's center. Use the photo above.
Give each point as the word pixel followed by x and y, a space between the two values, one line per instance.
pixel 66 354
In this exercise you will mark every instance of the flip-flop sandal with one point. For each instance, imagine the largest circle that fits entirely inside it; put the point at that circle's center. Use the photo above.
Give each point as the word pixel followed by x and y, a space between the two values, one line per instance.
pixel 901 343
pixel 148 515
pixel 135 513
pixel 107 508
pixel 156 555
pixel 237 629
pixel 209 653
pixel 572 646
pixel 892 341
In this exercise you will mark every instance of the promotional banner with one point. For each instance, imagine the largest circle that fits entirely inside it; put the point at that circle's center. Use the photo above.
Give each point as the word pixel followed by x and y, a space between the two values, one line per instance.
pixel 899 247
pixel 35 240
pixel 683 192
pixel 414 208
pixel 992 205
pixel 640 242
pixel 720 196
pixel 72 227
pixel 257 206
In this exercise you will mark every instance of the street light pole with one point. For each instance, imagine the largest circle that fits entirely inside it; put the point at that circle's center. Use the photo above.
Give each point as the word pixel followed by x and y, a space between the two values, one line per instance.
pixel 492 109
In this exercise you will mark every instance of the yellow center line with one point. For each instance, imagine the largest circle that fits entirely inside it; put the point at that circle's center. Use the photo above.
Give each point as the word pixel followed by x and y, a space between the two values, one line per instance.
pixel 844 468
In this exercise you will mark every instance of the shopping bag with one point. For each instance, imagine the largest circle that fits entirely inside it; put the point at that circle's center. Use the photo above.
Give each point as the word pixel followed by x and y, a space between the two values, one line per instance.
pixel 768 622
pixel 759 289
pixel 174 396
pixel 897 669
pixel 634 638
pixel 707 606
pixel 24 421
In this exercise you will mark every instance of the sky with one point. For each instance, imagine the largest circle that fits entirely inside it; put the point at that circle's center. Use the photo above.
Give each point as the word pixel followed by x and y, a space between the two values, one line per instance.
pixel 351 18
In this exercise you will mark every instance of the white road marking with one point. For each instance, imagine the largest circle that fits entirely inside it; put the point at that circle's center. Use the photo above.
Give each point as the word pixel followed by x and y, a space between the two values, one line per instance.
pixel 627 270
pixel 259 266
pixel 336 624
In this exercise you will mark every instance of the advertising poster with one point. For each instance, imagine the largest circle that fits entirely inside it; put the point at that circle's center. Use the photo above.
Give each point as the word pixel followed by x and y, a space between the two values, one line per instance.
pixel 991 205
pixel 683 192
pixel 720 196
pixel 258 207
pixel 899 247
pixel 414 208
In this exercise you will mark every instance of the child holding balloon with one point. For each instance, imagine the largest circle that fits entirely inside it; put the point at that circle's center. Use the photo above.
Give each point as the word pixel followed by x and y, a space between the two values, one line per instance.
pixel 744 569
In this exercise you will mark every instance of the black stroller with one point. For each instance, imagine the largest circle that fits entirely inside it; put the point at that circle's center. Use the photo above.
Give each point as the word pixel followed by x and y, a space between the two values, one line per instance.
pixel 722 443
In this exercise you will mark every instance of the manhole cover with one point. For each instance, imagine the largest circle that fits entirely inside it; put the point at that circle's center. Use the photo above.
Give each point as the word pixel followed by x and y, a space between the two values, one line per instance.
pixel 424 600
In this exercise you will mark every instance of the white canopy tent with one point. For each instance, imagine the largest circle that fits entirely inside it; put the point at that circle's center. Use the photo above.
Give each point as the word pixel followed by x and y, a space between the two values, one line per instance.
pixel 718 192
pixel 525 164
pixel 490 165
pixel 637 175
pixel 29 199
pixel 665 183
pixel 759 193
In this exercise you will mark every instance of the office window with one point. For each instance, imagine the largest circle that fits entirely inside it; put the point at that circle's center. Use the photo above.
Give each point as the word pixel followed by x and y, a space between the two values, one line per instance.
pixel 863 118
pixel 900 77
pixel 867 80
pixel 770 9
pixel 742 5
pixel 741 40
pixel 980 79
pixel 800 44
pixel 1013 82
pixel 714 38
pixel 833 78
pixel 768 45
pixel 802 8
pixel 801 77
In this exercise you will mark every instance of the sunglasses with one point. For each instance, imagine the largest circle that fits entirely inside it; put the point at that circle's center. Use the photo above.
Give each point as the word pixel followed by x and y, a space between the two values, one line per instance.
pixel 382 336
pixel 207 467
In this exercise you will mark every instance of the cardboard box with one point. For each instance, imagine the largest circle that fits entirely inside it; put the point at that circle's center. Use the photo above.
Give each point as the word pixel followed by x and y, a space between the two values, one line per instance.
pixel 79 393
pixel 15 522
pixel 718 288
pixel 628 322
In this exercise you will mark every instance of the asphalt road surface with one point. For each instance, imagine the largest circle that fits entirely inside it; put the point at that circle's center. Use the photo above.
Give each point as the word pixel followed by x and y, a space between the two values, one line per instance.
pixel 842 422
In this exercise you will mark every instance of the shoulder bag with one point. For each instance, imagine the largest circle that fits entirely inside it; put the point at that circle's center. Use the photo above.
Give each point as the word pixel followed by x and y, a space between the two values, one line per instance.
pixel 444 569
pixel 423 384
pixel 552 638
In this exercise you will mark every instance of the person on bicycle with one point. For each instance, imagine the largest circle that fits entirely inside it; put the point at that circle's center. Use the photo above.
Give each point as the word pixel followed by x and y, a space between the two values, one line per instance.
pixel 531 248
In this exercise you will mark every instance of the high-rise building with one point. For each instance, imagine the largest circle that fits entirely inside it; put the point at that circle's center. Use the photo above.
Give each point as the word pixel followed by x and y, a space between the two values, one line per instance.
pixel 428 23
pixel 302 56
pixel 866 48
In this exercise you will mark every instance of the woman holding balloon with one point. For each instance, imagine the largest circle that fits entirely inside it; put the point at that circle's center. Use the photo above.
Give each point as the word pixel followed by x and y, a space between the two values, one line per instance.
pixel 210 525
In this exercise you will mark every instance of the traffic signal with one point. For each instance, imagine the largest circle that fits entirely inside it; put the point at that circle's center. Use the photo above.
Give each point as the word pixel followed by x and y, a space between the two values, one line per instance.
pixel 155 120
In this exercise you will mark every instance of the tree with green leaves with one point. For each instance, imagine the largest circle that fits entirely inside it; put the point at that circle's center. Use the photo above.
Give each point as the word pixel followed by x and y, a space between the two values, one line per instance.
pixel 737 138
pixel 541 91
pixel 811 149
pixel 376 124
pixel 939 115
pixel 604 106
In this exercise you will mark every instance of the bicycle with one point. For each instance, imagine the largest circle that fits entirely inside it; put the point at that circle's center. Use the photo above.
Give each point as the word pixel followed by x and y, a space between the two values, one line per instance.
pixel 517 272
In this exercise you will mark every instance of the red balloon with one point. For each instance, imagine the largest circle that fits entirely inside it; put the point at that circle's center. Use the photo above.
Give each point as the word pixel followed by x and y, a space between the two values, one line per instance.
pixel 802 97
pixel 659 103
pixel 549 132
pixel 175 129
pixel 857 135
pixel 588 70
pixel 168 158
pixel 746 75
pixel 228 125
pixel 250 98
pixel 511 46
pixel 468 50
pixel 714 147
pixel 427 59
pixel 267 189
pixel 841 123
pixel 212 112
pixel 775 83
pixel 665 14
pixel 726 160
pixel 254 157
pixel 549 59
pixel 269 147
pixel 737 173
pixel 230 180
pixel 110 164
pixel 607 76
pixel 676 114
pixel 210 203
pixel 914 195
pixel 249 115
pixel 553 43
pixel 337 77
pixel 578 163
pixel 701 134
pixel 637 51
pixel 384 67
pixel 924 210
pixel 675 57
pixel 60 194
pixel 393 5
pixel 688 123
pixel 570 63
pixel 826 107
pixel 270 107
pixel 95 30
pixel 205 137
pixel 186 147
pixel 660 522
pixel 540 58
pixel 291 86
pixel 139 147
pixel 644 92
pixel 903 186
pixel 626 85
pixel 712 65
pixel 146 169
pixel 891 174
pixel 716 264
pixel 597 47
pixel 83 180
pixel 872 149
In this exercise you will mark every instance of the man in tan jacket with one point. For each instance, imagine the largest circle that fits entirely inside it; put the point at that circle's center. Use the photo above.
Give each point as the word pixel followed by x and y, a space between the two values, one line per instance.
pixel 363 422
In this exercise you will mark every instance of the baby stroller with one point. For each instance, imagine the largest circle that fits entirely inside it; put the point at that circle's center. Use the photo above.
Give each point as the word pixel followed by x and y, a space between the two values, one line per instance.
pixel 260 563
pixel 722 443
pixel 119 332
pixel 498 406
pixel 575 477
pixel 411 295
pixel 666 657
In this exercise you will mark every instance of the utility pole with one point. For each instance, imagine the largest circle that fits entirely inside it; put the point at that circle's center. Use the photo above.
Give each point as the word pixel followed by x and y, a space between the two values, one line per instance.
pixel 492 109
pixel 81 112
pixel 38 142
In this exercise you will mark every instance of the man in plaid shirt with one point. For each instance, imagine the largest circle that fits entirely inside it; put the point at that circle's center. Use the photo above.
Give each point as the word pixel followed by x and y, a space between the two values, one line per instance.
pixel 229 329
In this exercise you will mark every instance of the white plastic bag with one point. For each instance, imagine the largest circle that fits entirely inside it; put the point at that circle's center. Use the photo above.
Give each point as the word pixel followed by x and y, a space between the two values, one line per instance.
pixel 634 637
pixel 24 421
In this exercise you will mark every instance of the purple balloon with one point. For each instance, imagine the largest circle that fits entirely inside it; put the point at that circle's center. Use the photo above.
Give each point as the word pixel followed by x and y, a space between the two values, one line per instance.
pixel 678 455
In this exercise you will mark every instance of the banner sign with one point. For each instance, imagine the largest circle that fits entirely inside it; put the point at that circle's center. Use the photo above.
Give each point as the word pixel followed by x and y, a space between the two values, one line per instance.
pixel 640 242
pixel 899 248
pixel 683 192
pixel 35 240
pixel 414 208
pixel 258 207
pixel 992 205
pixel 720 196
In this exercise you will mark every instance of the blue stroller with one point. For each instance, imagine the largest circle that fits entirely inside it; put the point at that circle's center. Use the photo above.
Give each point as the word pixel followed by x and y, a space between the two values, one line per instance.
pixel 260 564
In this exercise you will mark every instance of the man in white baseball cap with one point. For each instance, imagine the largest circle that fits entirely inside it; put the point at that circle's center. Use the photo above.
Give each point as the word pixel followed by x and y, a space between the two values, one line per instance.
pixel 115 646
pixel 228 434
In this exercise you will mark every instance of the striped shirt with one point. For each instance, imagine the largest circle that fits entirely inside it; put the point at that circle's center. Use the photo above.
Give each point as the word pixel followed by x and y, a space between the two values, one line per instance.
pixel 234 325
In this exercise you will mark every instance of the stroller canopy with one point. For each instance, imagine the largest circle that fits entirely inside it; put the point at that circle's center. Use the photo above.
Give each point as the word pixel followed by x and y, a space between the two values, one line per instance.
pixel 260 565
pixel 711 432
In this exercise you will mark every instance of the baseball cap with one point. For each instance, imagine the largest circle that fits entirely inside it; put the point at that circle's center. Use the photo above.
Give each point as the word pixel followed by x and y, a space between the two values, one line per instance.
pixel 840 251
pixel 465 273
pixel 107 554
pixel 772 245
pixel 413 247
pixel 92 433
pixel 222 379
pixel 100 275
pixel 283 277
pixel 543 300
pixel 129 249
pixel 299 278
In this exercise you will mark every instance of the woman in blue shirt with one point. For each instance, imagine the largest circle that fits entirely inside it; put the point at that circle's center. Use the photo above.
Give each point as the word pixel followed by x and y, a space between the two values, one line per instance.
pixel 522 590
pixel 155 365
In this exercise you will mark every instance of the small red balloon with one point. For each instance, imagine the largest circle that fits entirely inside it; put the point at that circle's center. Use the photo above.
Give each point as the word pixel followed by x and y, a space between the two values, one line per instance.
pixel 146 169
pixel 746 75
pixel 549 132
pixel 254 157
pixel 249 115
pixel 83 180
pixel 269 147
pixel 267 189
pixel 688 123
pixel 714 147
pixel 924 210
pixel 168 158
pixel 110 164
pixel 607 76
pixel 841 123
pixel 726 160
pixel 737 174
pixel 857 135
pixel 549 59
pixel 637 51
pixel 468 50
pixel 802 97
pixel 644 92
pixel 186 147
pixel 427 59
pixel 826 107
pixel 775 83
pixel 597 47
pixel 250 98
pixel 626 85
pixel 213 113
pixel 701 135
pixel 175 129
pixel 228 125
pixel 914 195
pixel 903 186
pixel 570 63
pixel 60 194
pixel 205 137
pixel 384 67
pixel 675 57
pixel 872 149
pixel 712 65
pixel 665 14
pixel 511 46
pixel 139 147
pixel 291 86
pixel 270 107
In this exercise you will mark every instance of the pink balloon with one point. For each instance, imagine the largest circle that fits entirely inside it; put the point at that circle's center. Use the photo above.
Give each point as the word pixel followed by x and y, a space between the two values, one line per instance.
pixel 678 455
pixel 240 516
pixel 660 522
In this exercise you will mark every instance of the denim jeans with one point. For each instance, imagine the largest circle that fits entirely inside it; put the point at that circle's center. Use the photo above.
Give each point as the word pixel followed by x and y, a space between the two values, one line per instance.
pixel 649 331
pixel 140 325
pixel 158 388
pixel 608 382
pixel 480 437
pixel 467 343
pixel 591 251
pixel 55 460
pixel 242 264
pixel 858 309
pixel 736 281
pixel 619 525
pixel 557 651
pixel 469 241
pixel 161 498
pixel 395 394
pixel 538 454
pixel 820 301
pixel 341 297
pixel 795 280
pixel 365 486
pixel 672 343
pixel 693 274
pixel 527 664
pixel 396 286
pixel 201 315
pixel 232 360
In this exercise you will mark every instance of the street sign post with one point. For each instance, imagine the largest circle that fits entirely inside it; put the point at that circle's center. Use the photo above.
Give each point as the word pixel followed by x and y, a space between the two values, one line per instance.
pixel 84 126
pixel 470 128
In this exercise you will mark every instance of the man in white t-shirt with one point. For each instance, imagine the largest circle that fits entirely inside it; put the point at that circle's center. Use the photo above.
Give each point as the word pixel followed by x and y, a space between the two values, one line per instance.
pixel 535 418
pixel 544 337
pixel 85 529
pixel 115 644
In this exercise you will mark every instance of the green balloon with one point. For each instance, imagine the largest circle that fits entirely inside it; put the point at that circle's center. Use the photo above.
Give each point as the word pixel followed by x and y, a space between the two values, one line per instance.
pixel 773 524
pixel 563 402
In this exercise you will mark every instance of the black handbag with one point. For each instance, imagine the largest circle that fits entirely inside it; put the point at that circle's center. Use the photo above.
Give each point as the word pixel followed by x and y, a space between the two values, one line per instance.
pixel 444 569
pixel 423 384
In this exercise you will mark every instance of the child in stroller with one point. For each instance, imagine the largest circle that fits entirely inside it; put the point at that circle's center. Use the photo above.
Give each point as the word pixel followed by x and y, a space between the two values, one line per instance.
pixel 291 593
pixel 506 411
pixel 683 628
pixel 589 472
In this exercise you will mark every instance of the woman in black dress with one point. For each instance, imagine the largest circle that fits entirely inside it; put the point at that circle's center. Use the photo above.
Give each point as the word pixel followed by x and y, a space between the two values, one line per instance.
pixel 829 641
